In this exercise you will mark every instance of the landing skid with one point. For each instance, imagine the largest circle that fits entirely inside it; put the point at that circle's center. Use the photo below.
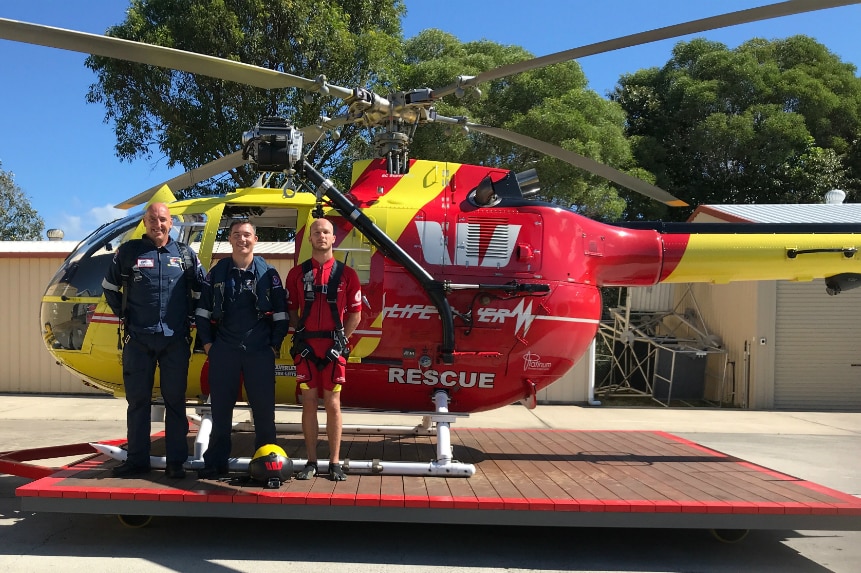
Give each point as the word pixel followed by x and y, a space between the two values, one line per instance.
pixel 440 420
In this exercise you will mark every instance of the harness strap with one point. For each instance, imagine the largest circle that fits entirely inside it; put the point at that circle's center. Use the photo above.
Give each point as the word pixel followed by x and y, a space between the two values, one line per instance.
pixel 330 289
pixel 220 274
pixel 126 269
pixel 312 290
pixel 303 349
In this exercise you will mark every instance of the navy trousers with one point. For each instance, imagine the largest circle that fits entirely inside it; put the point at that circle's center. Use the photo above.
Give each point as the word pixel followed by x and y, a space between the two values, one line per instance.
pixel 141 355
pixel 257 370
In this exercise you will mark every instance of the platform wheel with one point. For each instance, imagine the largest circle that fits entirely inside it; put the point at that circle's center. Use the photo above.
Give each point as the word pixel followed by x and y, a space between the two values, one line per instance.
pixel 729 535
pixel 135 521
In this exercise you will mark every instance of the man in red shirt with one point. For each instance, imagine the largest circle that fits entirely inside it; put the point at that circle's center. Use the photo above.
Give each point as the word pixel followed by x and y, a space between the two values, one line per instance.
pixel 329 315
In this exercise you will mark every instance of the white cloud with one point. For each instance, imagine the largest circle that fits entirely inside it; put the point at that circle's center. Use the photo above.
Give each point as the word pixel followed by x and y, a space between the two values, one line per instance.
pixel 106 214
pixel 76 227
pixel 72 227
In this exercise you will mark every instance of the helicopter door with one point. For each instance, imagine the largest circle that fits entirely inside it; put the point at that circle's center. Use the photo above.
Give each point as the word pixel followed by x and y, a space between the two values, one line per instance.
pixel 190 226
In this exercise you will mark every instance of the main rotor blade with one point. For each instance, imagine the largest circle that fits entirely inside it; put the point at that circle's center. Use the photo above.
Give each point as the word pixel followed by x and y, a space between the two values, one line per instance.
pixel 188 178
pixel 142 53
pixel 788 8
pixel 582 162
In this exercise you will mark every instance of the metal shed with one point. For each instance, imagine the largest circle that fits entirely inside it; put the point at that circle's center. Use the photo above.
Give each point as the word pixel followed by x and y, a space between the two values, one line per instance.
pixel 790 345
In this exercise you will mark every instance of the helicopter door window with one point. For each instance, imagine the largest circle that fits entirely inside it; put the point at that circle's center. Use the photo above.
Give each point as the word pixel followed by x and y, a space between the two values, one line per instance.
pixel 188 228
pixel 276 233
pixel 353 248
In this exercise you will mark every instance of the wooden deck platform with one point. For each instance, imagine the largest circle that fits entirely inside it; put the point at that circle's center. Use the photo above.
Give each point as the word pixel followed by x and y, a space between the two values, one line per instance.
pixel 523 477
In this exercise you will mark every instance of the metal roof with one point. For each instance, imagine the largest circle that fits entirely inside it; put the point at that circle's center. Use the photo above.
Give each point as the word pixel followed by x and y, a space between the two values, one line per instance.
pixel 63 248
pixel 58 247
pixel 784 213
pixel 223 248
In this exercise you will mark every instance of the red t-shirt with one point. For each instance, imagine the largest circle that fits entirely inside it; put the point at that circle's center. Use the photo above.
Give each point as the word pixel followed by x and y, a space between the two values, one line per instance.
pixel 320 317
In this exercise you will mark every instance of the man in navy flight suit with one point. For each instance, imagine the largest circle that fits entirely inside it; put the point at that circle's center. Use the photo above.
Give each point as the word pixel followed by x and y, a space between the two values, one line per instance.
pixel 244 299
pixel 147 286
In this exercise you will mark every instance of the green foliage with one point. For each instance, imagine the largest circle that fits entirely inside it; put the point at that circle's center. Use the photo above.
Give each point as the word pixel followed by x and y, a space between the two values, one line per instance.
pixel 18 220
pixel 768 122
pixel 192 120
pixel 552 104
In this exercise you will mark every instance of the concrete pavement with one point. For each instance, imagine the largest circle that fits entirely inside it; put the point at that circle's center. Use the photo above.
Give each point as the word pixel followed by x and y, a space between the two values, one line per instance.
pixel 708 420
pixel 820 447
pixel 824 447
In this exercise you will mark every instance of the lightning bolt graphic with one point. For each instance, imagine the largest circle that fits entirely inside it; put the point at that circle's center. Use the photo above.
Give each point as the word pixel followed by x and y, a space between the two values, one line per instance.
pixel 524 317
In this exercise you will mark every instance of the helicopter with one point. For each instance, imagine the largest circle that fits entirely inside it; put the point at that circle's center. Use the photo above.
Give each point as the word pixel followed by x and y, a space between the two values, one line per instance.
pixel 476 294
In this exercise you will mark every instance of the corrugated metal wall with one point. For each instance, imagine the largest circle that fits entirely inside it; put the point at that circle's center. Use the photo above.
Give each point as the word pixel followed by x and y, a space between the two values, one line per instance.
pixel 573 387
pixel 655 298
pixel 818 356
pixel 25 363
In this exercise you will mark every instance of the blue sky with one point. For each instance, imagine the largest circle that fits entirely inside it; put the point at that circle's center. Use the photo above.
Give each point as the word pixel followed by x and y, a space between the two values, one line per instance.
pixel 62 155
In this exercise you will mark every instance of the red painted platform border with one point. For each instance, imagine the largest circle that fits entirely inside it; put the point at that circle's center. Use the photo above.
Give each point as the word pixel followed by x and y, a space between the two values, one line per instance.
pixel 516 470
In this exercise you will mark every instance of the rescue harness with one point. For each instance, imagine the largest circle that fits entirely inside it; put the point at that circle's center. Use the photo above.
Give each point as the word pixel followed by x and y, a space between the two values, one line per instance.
pixel 261 290
pixel 339 347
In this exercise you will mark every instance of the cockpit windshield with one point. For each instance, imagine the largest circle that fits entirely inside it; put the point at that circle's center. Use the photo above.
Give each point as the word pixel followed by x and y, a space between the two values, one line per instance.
pixel 70 299
pixel 84 269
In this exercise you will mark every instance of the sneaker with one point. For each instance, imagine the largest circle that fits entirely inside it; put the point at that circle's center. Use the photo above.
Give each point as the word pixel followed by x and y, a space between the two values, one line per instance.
pixel 174 471
pixel 128 469
pixel 336 473
pixel 212 472
pixel 309 471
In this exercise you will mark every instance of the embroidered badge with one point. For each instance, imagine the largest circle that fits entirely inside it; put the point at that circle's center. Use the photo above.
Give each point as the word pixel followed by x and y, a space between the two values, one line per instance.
pixel 174 262
pixel 146 263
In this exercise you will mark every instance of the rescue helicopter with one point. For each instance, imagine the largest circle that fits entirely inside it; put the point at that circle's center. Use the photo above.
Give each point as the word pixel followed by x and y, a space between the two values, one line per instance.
pixel 476 295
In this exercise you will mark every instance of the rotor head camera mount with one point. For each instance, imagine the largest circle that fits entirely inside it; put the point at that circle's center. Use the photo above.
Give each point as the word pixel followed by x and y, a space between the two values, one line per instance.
pixel 273 145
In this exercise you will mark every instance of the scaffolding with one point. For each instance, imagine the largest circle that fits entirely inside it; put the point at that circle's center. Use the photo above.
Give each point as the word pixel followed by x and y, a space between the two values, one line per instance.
pixel 659 353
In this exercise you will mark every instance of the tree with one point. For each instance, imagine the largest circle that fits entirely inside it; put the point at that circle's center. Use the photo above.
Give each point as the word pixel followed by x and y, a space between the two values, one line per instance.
pixel 192 120
pixel 552 104
pixel 768 122
pixel 18 220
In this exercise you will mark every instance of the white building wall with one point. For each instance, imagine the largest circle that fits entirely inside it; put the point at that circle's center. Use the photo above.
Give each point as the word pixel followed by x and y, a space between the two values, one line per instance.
pixel 740 314
pixel 818 362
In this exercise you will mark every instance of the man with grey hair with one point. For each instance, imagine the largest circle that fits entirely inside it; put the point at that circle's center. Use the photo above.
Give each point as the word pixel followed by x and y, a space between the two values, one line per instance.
pixel 152 284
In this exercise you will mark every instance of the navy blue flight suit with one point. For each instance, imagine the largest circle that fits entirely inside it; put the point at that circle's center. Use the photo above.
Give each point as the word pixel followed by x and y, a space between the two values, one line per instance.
pixel 159 302
pixel 243 313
